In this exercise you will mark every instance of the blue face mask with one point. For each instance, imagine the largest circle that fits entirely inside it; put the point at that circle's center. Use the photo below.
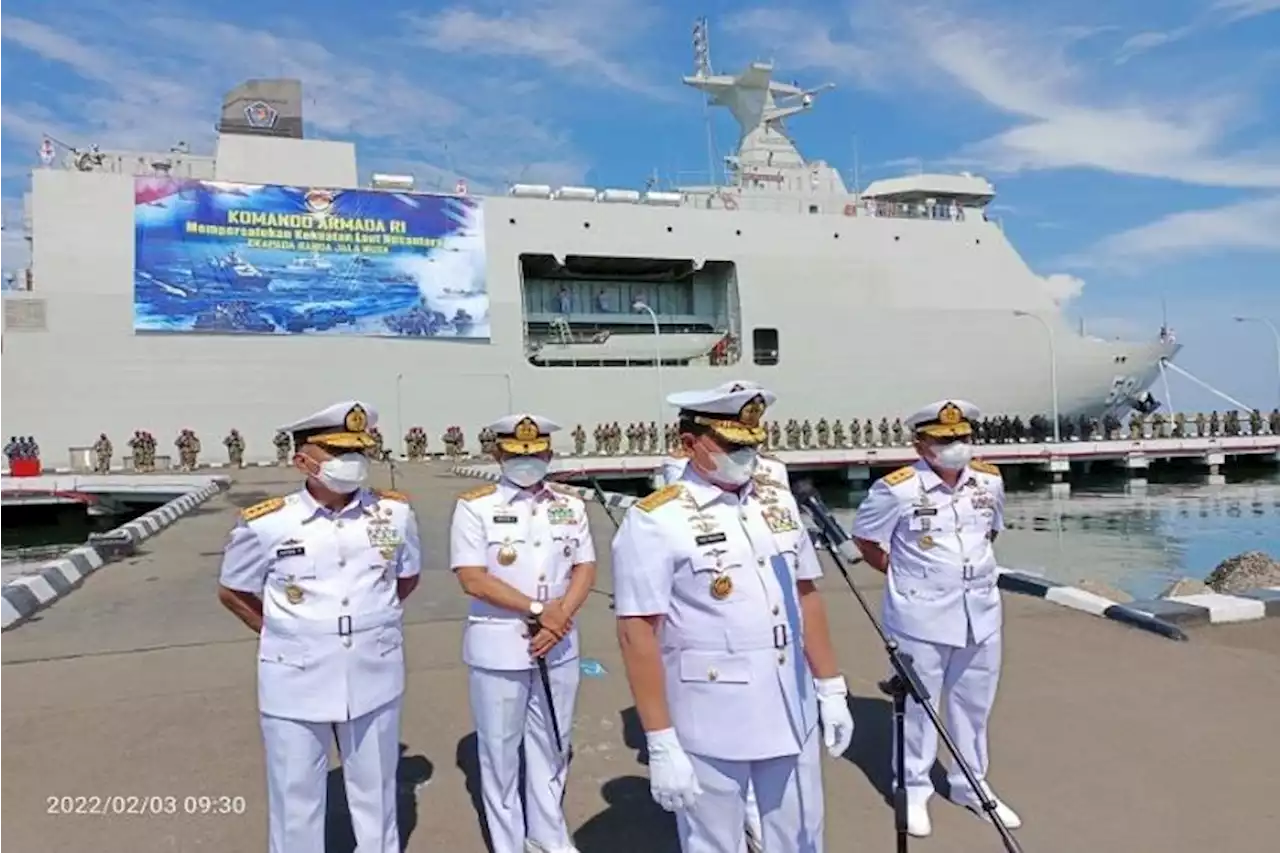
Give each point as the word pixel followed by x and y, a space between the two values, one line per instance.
pixel 525 471
pixel 735 467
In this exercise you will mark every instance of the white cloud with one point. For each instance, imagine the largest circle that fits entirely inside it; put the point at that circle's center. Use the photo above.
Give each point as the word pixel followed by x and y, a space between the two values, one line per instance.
pixel 1239 10
pixel 1249 226
pixel 1062 288
pixel 582 36
pixel 139 97
pixel 1064 114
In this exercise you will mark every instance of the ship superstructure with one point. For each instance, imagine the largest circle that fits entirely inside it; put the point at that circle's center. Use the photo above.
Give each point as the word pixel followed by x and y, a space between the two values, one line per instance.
pixel 597 301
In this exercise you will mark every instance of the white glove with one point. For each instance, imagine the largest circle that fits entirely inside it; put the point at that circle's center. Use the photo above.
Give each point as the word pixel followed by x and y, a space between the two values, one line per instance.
pixel 833 708
pixel 671 778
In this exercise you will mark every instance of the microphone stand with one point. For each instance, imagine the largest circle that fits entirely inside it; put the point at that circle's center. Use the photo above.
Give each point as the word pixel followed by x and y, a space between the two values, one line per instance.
pixel 905 681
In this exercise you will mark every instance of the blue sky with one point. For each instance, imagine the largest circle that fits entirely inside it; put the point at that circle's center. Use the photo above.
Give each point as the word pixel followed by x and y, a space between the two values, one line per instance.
pixel 1135 146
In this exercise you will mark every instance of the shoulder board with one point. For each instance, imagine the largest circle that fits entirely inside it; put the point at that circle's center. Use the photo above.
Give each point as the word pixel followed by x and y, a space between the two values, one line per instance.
pixel 764 454
pixel 478 492
pixel 563 489
pixel 392 495
pixel 906 472
pixel 984 467
pixel 262 508
pixel 664 495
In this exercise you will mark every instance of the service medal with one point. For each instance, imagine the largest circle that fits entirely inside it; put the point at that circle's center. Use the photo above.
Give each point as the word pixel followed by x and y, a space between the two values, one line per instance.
pixel 926 542
pixel 721 587
pixel 506 553
pixel 293 592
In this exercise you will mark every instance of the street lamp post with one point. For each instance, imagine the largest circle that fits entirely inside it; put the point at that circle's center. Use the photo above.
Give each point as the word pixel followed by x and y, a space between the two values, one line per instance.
pixel 400 414
pixel 640 306
pixel 1053 369
pixel 1275 333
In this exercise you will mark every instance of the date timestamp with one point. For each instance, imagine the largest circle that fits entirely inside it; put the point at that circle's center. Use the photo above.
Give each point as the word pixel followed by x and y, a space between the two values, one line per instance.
pixel 141 805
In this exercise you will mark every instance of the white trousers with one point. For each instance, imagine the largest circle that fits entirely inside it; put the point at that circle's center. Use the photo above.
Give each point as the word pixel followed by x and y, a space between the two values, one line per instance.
pixel 510 708
pixel 963 681
pixel 788 791
pixel 297 771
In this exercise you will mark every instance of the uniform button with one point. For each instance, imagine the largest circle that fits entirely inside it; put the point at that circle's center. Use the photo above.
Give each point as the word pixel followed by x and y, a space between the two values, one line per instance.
pixel 339 524
pixel 279 658
pixel 742 515
pixel 537 543
pixel 542 578
pixel 345 602
pixel 341 563
pixel 782 657
pixel 346 641
pixel 712 675
pixel 759 561
pixel 775 609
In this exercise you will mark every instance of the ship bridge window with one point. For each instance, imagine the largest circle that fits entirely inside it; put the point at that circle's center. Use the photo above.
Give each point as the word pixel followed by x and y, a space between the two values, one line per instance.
pixel 764 346
pixel 599 311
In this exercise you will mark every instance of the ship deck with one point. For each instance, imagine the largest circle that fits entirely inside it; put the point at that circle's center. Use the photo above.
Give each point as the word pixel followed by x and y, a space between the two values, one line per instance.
pixel 1105 738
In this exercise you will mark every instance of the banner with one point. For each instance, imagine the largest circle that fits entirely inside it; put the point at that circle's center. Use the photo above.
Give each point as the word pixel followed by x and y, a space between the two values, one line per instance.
pixel 251 259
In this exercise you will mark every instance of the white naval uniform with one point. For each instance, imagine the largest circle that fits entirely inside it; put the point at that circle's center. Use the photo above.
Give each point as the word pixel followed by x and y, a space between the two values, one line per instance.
pixel 549 533
pixel 942 605
pixel 330 657
pixel 769 472
pixel 742 652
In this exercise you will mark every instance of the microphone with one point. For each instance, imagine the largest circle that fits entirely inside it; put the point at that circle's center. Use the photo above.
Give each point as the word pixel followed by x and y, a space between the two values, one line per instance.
pixel 830 529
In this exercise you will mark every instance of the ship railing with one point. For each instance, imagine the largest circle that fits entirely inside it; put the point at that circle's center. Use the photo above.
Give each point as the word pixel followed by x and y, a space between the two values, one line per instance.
pixel 729 199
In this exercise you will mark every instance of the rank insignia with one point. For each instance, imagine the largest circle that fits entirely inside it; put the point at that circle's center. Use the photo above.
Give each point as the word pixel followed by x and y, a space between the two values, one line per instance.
pixel 721 587
pixel 293 592
pixel 384 537
pixel 559 514
pixel 926 542
pixel 506 553
pixel 780 519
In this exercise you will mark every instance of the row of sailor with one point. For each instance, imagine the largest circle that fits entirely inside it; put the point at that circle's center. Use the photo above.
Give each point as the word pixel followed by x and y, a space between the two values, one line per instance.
pixel 716 598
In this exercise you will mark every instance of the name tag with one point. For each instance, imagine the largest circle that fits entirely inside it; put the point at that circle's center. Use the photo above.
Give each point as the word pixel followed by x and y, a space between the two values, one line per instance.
pixel 291 552
pixel 711 538
pixel 927 510
pixel 505 519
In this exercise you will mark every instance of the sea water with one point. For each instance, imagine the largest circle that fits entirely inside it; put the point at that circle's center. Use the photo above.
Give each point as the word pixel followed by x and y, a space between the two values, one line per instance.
pixel 1139 541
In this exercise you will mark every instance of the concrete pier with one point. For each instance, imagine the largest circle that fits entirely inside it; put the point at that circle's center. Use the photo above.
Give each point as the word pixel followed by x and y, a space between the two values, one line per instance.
pixel 139 684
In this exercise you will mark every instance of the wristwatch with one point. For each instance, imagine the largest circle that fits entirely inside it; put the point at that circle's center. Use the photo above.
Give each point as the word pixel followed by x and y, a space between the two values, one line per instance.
pixel 535 609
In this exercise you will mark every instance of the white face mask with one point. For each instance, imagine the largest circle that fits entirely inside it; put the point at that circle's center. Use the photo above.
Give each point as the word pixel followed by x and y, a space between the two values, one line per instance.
pixel 525 471
pixel 953 456
pixel 344 474
pixel 734 468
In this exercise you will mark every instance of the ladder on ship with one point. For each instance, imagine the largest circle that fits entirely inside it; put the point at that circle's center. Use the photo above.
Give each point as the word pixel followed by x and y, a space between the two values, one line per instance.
pixel 560 330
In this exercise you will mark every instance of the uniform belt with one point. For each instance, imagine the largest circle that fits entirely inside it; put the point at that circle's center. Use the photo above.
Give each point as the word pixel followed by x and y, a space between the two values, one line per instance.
pixel 777 637
pixel 341 626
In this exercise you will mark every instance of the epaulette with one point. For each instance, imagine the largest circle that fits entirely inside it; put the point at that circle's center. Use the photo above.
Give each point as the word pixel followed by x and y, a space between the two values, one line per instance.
pixel 478 492
pixel 906 472
pixel 984 467
pixel 262 508
pixel 664 495
pixel 392 495
pixel 563 489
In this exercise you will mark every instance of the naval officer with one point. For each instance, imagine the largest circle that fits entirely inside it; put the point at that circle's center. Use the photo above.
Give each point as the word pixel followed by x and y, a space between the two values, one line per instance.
pixel 522 549
pixel 320 576
pixel 768 472
pixel 717 608
pixel 930 527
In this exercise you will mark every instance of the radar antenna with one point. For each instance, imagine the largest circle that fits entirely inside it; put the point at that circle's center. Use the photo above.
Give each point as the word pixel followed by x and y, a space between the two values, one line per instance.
pixel 702 70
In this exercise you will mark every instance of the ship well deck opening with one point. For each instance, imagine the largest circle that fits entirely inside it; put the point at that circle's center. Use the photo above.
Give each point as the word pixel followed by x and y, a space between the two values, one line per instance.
pixel 594 311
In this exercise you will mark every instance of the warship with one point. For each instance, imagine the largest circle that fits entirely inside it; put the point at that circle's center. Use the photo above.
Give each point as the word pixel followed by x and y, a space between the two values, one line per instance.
pixel 585 304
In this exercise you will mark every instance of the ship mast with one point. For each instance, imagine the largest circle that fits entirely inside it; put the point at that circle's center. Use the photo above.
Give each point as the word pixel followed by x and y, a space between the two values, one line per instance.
pixel 702 69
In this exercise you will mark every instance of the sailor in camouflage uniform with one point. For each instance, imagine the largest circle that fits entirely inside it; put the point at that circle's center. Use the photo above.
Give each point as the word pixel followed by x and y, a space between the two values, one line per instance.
pixel 320 576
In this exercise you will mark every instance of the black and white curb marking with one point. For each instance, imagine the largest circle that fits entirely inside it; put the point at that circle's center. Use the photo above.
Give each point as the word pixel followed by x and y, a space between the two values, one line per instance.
pixel 26 596
pixel 1164 616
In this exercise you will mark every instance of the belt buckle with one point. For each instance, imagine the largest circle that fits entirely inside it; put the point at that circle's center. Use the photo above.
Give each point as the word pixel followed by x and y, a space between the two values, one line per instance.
pixel 779 636
pixel 344 626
